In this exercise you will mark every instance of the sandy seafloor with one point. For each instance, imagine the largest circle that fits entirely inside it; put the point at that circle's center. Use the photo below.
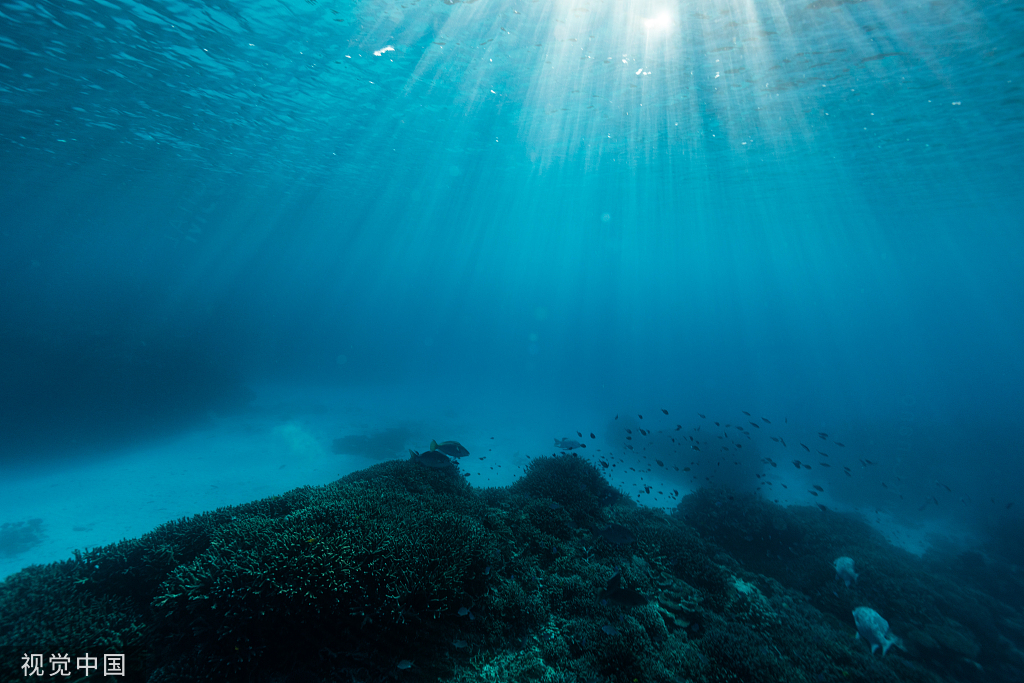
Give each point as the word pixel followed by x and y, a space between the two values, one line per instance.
pixel 284 441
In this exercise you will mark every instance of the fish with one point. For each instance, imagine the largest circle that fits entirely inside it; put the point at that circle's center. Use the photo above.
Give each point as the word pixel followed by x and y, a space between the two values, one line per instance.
pixel 610 630
pixel 592 435
pixel 435 460
pixel 629 431
pixel 452 448
pixel 841 445
pixel 664 411
pixel 797 464
pixel 701 416
pixel 404 664
pixel 579 434
pixel 459 643
pixel 617 534
pixel 824 464
pixel 756 426
pixel 823 508
pixel 945 487
pixel 766 420
pixel 463 611
pixel 775 439
pixel 783 441
pixel 874 629
pixel 660 463
pixel 678 427
pixel 813 493
pixel 823 453
pixel 822 435
pixel 640 416
pixel 569 444
pixel 817 488
pixel 806 448
pixel 746 413
pixel 615 594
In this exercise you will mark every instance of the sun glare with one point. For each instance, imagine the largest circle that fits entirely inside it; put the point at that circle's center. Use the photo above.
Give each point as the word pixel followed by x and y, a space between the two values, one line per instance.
pixel 660 22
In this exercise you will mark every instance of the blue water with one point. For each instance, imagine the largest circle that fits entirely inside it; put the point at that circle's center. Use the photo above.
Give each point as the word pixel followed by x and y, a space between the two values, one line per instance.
pixel 808 211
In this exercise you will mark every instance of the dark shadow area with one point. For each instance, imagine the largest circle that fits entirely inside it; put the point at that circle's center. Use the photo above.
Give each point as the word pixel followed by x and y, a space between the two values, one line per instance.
pixel 84 391
pixel 382 445
pixel 17 537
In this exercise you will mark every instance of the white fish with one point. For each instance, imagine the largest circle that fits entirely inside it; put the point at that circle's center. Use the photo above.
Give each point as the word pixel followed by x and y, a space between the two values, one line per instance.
pixel 844 570
pixel 874 629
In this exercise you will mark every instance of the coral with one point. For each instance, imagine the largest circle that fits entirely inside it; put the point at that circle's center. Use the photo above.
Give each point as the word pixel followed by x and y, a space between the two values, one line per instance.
pixel 405 564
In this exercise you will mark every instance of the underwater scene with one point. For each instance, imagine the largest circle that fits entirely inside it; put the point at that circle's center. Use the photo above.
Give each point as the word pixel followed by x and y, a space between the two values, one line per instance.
pixel 512 341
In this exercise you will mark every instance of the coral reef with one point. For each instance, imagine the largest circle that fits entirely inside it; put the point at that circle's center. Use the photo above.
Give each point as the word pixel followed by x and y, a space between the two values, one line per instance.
pixel 403 572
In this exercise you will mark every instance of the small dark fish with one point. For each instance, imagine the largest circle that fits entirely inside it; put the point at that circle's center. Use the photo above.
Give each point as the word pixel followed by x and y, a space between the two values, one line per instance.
pixel 615 594
pixel 823 453
pixel 592 435
pixel 823 508
pixel 701 416
pixel 640 416
pixel 686 469
pixel 664 411
pixel 841 445
pixel 678 427
pixel 756 426
pixel 884 485
pixel 459 643
pixel 946 487
pixel 797 464
pixel 806 448
pixel 463 611
pixel 616 417
pixel 746 413
pixel 660 463
pixel 717 425
pixel 694 448
pixel 775 439
pixel 813 493
pixel 935 499
pixel 824 464
pixel 404 664
pixel 766 420
pixel 579 434
pixel 610 630
pixel 822 435
pixel 818 488
pixel 806 466
pixel 783 441
pixel 629 431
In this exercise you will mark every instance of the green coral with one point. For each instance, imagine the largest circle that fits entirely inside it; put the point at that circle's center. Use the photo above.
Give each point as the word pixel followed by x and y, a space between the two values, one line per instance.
pixel 403 562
